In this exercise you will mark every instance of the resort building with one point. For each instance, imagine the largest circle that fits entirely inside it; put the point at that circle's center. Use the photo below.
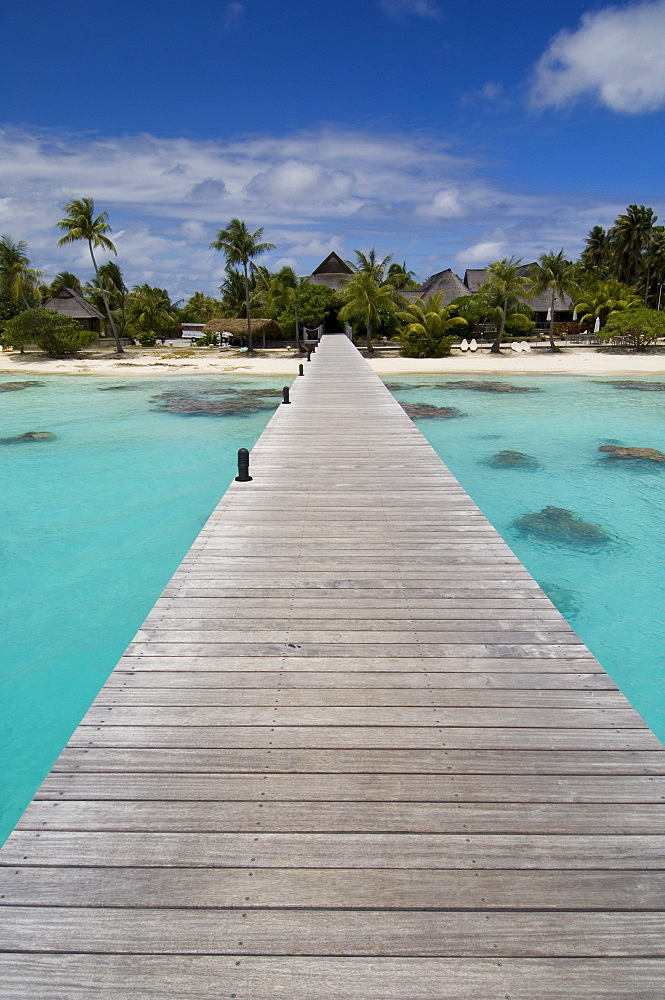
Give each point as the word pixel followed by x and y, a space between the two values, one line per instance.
pixel 70 303
pixel 334 272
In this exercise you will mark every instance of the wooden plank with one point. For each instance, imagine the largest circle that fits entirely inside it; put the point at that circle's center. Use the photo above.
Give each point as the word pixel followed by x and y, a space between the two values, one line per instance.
pixel 134 695
pixel 145 977
pixel 387 717
pixel 338 817
pixel 310 761
pixel 362 737
pixel 164 680
pixel 317 932
pixel 341 850
pixel 311 788
pixel 368 889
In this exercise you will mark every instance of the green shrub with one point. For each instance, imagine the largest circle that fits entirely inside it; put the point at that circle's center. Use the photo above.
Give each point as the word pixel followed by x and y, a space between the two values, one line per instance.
pixel 641 327
pixel 209 339
pixel 518 325
pixel 51 331
pixel 421 345
pixel 146 338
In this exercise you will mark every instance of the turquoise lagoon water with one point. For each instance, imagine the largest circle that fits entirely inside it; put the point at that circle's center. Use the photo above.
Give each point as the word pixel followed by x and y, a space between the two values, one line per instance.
pixel 614 594
pixel 93 525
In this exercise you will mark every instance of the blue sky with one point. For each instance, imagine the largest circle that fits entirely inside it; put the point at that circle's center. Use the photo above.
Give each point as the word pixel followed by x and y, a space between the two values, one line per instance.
pixel 447 134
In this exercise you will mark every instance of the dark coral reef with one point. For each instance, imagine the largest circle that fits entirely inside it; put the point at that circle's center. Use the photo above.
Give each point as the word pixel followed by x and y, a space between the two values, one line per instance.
pixel 555 524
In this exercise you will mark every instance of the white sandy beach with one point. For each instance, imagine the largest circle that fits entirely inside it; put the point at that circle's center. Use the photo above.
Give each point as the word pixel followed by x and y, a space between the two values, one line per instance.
pixel 204 361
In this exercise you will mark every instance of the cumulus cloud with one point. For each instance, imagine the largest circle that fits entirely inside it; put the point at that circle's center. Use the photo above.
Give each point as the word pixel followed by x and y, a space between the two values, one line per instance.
pixel 416 8
pixel 481 254
pixel 447 203
pixel 616 55
pixel 313 192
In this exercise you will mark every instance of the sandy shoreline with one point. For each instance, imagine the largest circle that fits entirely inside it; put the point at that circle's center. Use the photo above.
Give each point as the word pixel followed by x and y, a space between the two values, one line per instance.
pixel 201 361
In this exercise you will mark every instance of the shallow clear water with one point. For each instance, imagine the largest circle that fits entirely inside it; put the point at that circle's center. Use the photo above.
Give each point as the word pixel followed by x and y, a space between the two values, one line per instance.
pixel 94 523
pixel 613 594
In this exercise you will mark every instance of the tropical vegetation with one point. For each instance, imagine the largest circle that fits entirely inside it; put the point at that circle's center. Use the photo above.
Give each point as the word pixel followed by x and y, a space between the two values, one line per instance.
pixel 81 223
pixel 429 328
pixel 239 246
pixel 554 275
pixel 640 327
pixel 50 331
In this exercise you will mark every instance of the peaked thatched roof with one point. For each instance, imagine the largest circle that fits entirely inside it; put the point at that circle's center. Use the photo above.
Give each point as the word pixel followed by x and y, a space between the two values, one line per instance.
pixel 238 327
pixel 444 283
pixel 70 303
pixel 333 264
pixel 332 272
pixel 476 276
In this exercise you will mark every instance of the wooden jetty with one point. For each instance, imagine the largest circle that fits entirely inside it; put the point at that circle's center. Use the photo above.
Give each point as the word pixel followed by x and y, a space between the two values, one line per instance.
pixel 354 753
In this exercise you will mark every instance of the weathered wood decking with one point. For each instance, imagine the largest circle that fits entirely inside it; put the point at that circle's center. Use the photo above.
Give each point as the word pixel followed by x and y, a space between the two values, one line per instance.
pixel 353 754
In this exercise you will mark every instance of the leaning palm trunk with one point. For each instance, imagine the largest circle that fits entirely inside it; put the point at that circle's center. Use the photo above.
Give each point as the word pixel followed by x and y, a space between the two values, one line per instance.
pixel 370 349
pixel 552 347
pixel 118 345
pixel 249 319
pixel 496 346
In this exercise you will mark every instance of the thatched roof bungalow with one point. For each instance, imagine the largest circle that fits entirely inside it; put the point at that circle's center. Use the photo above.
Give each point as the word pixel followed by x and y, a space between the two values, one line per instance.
pixel 238 327
pixel 333 272
pixel 70 303
pixel 475 277
pixel 444 283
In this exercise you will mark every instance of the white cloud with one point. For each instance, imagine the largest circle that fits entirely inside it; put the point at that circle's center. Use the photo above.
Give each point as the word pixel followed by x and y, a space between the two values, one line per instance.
pixel 312 192
pixel 447 203
pixel 481 254
pixel 286 262
pixel 616 55
pixel 418 8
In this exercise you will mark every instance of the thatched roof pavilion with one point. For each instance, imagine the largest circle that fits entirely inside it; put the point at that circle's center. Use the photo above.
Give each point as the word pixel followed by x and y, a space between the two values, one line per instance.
pixel 70 303
pixel 476 276
pixel 332 271
pixel 238 327
pixel 443 283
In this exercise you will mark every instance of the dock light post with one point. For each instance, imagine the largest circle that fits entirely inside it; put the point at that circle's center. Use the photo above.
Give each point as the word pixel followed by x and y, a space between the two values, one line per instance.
pixel 285 394
pixel 301 369
pixel 243 466
pixel 309 353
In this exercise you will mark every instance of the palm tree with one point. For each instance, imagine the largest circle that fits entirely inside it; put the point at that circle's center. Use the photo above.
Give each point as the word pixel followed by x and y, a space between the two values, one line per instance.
pixel 150 310
pixel 505 286
pixel 239 246
pixel 17 279
pixel 631 233
pixel 597 252
pixel 65 279
pixel 426 325
pixel 370 264
pixel 366 300
pixel 81 224
pixel 654 260
pixel 556 275
pixel 283 292
pixel 400 278
pixel 601 299
pixel 114 281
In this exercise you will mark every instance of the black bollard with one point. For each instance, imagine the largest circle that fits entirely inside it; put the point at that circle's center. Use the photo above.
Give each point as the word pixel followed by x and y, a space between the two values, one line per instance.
pixel 285 394
pixel 243 466
pixel 301 369
pixel 309 354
